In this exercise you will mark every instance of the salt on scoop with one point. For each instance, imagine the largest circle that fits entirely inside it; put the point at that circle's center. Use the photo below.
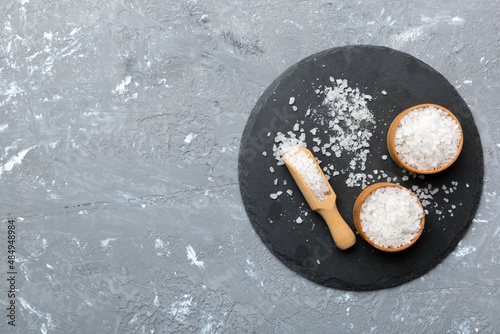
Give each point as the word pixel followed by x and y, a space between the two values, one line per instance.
pixel 390 216
pixel 309 172
pixel 427 138
pixel 286 144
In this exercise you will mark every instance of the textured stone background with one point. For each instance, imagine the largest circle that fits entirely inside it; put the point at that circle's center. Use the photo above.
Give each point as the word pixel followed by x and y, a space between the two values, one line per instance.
pixel 120 124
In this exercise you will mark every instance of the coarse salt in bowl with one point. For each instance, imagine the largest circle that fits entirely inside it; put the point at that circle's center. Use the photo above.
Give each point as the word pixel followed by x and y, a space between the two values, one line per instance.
pixel 388 216
pixel 425 139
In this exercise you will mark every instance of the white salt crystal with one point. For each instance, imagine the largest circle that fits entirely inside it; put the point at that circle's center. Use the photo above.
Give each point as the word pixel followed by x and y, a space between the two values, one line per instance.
pixel 313 131
pixel 294 108
pixel 384 92
pixel 391 217
pixel 289 192
pixel 384 157
pixel 296 127
pixel 291 101
pixel 273 196
pixel 427 138
pixel 264 153
pixel 271 169
pixel 309 172
pixel 299 220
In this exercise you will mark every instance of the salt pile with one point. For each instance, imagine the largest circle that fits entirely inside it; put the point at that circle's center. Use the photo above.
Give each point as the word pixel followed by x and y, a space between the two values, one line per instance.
pixel 286 144
pixel 427 138
pixel 391 217
pixel 348 117
pixel 309 171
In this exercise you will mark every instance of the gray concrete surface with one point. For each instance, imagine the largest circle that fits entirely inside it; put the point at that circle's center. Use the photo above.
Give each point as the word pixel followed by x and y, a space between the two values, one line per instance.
pixel 120 124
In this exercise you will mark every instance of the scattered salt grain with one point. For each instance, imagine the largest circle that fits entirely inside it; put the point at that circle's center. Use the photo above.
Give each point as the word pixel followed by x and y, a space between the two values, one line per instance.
pixel 294 108
pixel 308 170
pixel 291 101
pixel 427 138
pixel 271 169
pixel 264 153
pixel 384 92
pixel 299 220
pixel 391 217
pixel 384 157
pixel 273 196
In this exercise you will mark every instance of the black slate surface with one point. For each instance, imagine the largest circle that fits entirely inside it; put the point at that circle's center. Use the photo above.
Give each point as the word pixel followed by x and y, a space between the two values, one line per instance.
pixel 308 248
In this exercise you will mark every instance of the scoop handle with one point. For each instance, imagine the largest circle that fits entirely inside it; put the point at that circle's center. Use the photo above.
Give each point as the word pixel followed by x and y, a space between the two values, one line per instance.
pixel 342 234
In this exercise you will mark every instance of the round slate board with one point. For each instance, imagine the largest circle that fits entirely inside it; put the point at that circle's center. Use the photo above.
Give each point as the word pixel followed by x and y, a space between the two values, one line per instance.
pixel 396 81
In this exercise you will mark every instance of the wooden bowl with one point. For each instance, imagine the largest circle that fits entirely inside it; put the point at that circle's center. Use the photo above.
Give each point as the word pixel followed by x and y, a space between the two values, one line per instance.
pixel 357 211
pixel 392 132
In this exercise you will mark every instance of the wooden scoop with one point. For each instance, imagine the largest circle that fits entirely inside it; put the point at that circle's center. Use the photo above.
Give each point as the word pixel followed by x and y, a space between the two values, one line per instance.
pixel 341 233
